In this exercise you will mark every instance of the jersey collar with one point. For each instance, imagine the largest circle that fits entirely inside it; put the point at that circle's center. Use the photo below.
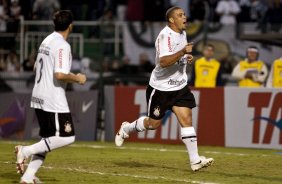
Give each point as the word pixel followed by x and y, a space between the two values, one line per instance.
pixel 171 31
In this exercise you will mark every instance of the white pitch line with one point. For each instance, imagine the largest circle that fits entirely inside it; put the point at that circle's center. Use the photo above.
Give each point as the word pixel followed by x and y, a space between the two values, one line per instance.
pixel 123 175
pixel 160 150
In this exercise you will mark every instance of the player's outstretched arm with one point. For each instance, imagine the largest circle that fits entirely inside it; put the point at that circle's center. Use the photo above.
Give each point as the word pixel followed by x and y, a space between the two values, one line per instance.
pixel 71 78
pixel 169 60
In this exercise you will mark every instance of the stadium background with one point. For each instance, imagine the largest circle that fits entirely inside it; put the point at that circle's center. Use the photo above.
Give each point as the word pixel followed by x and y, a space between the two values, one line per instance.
pixel 113 43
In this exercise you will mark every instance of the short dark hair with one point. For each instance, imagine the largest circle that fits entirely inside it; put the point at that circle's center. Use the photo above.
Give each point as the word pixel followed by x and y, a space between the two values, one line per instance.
pixel 210 45
pixel 170 11
pixel 62 19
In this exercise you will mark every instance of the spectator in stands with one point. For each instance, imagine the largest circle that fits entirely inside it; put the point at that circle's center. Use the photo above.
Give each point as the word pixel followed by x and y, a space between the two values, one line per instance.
pixel 274 14
pixel 2 63
pixel 145 65
pixel 207 70
pixel 251 72
pixel 3 16
pixel 245 14
pixel 126 66
pixel 15 9
pixel 275 76
pixel 121 9
pixel 28 63
pixel 228 9
pixel 197 8
pixel 12 62
pixel 213 16
pixel 43 10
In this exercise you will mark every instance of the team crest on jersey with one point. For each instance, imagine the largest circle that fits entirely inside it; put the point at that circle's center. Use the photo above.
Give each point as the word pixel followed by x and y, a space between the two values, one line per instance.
pixel 157 111
pixel 68 127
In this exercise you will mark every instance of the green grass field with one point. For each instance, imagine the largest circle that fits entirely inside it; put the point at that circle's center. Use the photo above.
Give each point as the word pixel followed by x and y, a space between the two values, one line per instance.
pixel 93 162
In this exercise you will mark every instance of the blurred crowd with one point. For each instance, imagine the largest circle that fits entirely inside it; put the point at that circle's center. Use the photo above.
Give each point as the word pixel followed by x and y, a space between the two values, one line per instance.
pixel 144 10
pixel 226 12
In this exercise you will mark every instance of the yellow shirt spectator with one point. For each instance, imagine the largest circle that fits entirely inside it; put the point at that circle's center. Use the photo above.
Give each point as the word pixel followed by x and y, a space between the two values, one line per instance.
pixel 250 72
pixel 206 72
pixel 275 76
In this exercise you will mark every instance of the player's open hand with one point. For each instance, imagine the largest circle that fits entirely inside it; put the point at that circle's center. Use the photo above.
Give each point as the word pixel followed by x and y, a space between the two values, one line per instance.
pixel 188 48
pixel 81 78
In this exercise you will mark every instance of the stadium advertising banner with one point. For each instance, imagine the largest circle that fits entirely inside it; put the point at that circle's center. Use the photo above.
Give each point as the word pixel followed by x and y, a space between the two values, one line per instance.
pixel 130 103
pixel 18 120
pixel 230 116
pixel 253 118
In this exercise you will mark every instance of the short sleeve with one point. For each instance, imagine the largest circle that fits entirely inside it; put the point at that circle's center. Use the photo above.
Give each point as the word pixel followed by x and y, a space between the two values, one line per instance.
pixel 63 59
pixel 164 45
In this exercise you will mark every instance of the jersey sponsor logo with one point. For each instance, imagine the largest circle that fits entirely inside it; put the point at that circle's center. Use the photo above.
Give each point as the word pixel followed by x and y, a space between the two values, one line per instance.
pixel 176 82
pixel 61 58
pixel 37 100
pixel 169 44
pixel 273 120
pixel 86 106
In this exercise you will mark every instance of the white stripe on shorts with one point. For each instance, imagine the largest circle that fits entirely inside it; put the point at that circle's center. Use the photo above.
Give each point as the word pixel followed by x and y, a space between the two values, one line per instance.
pixel 57 124
pixel 150 100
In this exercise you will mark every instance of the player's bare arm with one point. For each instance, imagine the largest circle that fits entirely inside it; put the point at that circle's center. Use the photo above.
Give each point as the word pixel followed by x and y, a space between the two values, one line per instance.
pixel 169 60
pixel 71 78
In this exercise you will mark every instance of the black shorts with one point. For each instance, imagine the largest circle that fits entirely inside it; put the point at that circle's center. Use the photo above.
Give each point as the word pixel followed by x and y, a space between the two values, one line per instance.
pixel 54 124
pixel 161 101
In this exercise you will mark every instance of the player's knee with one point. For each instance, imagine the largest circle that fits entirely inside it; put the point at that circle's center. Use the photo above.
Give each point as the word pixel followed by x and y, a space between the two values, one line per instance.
pixel 153 124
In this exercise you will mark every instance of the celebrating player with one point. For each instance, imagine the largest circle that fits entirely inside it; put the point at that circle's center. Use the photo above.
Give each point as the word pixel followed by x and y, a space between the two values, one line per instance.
pixel 52 67
pixel 168 88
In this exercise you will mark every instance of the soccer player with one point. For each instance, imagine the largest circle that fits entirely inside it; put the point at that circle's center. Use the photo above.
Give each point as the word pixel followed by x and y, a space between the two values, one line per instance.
pixel 52 67
pixel 168 88
pixel 206 71
pixel 275 76
pixel 251 72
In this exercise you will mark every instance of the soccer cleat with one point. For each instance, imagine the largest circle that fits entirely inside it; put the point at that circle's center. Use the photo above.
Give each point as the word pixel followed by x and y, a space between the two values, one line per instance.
pixel 204 162
pixel 20 159
pixel 121 135
pixel 35 180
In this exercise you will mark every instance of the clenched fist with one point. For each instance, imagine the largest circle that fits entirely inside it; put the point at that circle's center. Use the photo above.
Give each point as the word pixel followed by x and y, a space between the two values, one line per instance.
pixel 188 48
pixel 81 78
pixel 189 58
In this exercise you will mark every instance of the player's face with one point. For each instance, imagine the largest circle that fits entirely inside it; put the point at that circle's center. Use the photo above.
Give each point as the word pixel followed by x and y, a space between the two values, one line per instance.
pixel 252 55
pixel 179 19
pixel 208 52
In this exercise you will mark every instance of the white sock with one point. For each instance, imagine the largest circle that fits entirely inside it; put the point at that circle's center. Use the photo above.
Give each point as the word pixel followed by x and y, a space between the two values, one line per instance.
pixel 47 144
pixel 137 125
pixel 189 138
pixel 35 163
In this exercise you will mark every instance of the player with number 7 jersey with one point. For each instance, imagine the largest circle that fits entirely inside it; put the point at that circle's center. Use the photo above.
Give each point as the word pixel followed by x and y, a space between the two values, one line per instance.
pixel 52 68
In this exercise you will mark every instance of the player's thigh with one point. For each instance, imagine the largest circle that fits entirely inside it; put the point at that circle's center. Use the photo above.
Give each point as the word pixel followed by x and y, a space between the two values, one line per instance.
pixel 66 127
pixel 158 103
pixel 54 124
pixel 46 121
pixel 184 102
